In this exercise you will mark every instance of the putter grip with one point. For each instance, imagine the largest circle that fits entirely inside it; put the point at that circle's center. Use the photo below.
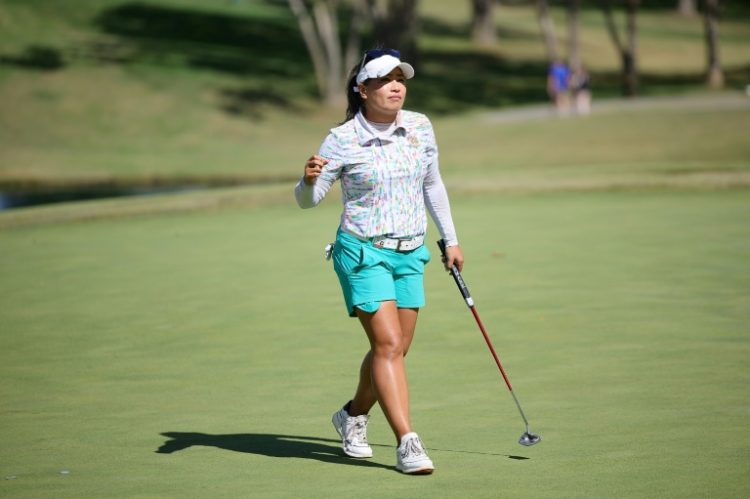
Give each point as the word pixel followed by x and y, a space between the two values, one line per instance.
pixel 457 277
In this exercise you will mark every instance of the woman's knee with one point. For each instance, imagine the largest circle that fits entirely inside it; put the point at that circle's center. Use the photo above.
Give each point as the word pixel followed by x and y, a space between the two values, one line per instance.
pixel 389 345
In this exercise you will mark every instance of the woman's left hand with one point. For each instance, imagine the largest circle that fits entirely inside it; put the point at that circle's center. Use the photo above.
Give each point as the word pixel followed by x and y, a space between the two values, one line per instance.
pixel 454 256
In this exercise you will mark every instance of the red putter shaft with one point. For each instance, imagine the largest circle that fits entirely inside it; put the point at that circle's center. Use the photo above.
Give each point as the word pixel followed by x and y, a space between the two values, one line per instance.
pixel 527 438
pixel 489 344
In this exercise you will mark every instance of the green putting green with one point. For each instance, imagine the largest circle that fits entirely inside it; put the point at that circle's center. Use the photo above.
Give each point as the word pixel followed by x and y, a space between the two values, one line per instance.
pixel 202 354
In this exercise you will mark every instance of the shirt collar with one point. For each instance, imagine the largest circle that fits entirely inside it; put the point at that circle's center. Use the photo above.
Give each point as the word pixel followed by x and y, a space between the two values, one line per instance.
pixel 366 133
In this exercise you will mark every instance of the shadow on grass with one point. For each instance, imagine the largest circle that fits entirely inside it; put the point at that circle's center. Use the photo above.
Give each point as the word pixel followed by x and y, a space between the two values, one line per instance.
pixel 273 445
pixel 609 83
pixel 267 444
pixel 260 47
pixel 459 80
pixel 236 44
pixel 268 53
pixel 36 57
pixel 459 451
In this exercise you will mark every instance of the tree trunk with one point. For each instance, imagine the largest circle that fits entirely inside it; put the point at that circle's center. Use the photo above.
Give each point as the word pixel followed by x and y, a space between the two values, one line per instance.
pixel 627 51
pixel 353 52
pixel 548 30
pixel 686 8
pixel 325 19
pixel 482 23
pixel 630 66
pixel 715 77
pixel 574 56
pixel 312 42
pixel 321 35
pixel 397 28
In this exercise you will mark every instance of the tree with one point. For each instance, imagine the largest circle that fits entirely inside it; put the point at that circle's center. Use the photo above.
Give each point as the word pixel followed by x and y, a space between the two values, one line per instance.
pixel 395 25
pixel 715 77
pixel 482 23
pixel 574 56
pixel 548 29
pixel 627 50
pixel 686 8
pixel 320 31
pixel 547 26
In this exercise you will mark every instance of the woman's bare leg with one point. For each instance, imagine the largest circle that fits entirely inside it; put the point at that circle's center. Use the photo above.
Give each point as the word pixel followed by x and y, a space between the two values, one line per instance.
pixel 382 374
pixel 365 397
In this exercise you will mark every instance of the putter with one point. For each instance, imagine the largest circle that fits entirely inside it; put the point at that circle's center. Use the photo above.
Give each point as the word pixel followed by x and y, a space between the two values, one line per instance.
pixel 527 438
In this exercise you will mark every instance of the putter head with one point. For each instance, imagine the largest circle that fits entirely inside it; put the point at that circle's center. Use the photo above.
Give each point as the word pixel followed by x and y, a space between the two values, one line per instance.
pixel 528 439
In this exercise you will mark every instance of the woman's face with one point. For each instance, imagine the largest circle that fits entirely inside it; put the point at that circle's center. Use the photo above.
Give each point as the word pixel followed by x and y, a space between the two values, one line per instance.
pixel 384 97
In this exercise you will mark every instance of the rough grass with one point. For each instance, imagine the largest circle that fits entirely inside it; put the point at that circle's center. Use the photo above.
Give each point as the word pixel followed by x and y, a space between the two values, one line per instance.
pixel 677 137
pixel 683 142
pixel 184 90
pixel 664 144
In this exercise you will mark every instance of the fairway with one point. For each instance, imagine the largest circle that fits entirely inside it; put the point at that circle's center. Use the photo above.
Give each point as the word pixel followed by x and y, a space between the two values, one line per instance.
pixel 201 354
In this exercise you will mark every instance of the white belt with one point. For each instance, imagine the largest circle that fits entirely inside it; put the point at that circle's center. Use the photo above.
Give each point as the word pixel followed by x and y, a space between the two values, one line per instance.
pixel 398 244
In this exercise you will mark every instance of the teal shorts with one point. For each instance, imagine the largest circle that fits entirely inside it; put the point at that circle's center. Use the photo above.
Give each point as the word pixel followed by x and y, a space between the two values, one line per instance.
pixel 370 275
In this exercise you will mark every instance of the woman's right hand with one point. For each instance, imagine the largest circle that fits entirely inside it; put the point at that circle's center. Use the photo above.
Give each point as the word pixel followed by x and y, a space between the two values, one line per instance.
pixel 313 168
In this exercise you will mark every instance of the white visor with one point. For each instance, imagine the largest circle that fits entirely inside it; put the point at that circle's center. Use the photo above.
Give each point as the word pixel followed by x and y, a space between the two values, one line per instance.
pixel 382 66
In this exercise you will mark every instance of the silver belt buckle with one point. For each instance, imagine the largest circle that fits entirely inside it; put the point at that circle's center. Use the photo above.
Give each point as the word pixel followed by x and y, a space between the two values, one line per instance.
pixel 409 244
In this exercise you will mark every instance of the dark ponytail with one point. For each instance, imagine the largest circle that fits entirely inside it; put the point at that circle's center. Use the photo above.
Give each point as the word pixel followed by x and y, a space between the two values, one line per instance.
pixel 353 99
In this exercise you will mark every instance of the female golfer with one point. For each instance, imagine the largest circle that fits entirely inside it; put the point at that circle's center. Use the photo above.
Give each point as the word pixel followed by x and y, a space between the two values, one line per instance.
pixel 387 161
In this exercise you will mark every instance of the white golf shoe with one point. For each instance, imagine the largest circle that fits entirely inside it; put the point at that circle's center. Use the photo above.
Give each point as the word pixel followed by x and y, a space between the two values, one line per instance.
pixel 411 456
pixel 353 433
